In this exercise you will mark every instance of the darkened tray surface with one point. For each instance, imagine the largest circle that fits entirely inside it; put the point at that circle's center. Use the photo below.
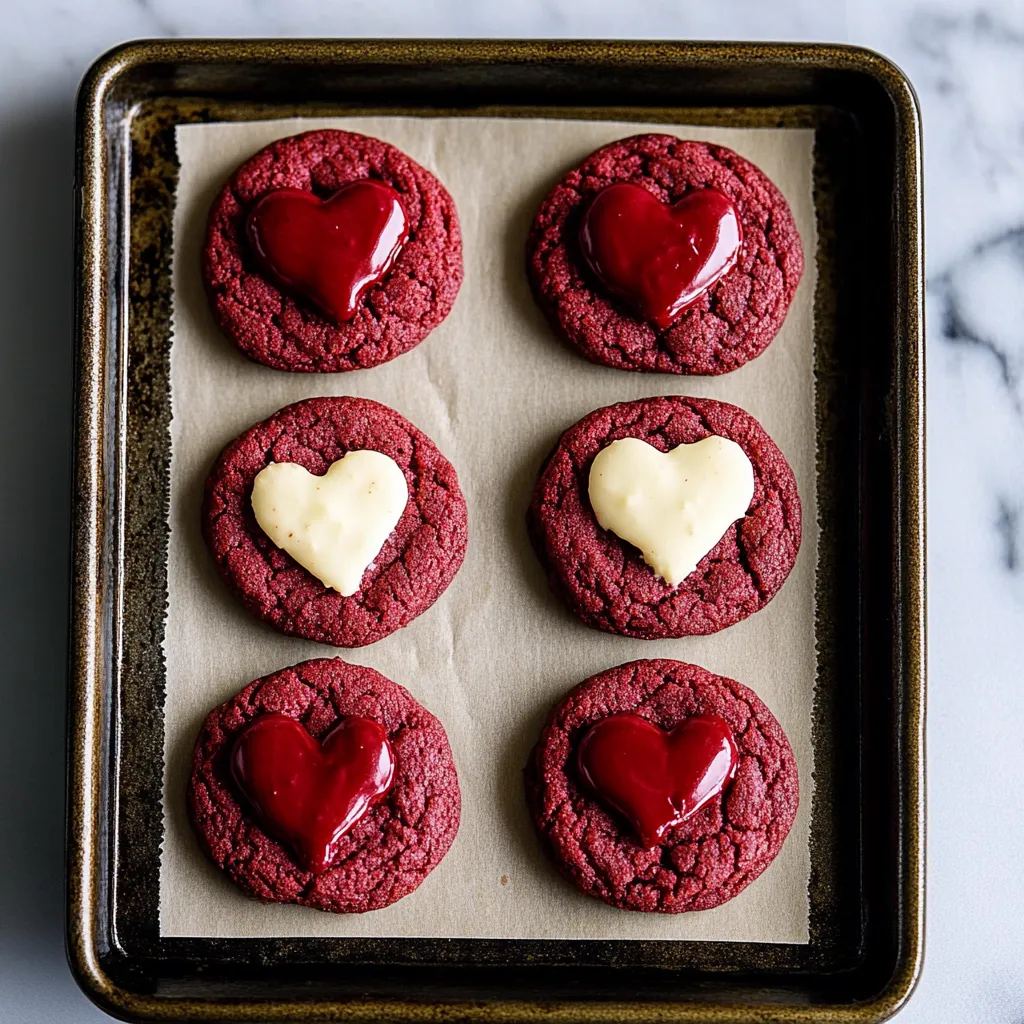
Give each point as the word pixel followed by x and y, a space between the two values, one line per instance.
pixel 866 891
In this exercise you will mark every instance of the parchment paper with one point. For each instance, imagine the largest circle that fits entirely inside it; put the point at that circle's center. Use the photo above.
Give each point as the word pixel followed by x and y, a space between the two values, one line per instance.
pixel 494 389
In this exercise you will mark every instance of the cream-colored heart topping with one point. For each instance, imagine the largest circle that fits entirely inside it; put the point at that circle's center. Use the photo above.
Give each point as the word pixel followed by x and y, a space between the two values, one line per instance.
pixel 674 506
pixel 333 525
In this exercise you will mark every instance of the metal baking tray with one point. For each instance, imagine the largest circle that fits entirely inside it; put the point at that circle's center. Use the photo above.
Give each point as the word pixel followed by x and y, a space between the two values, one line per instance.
pixel 867 830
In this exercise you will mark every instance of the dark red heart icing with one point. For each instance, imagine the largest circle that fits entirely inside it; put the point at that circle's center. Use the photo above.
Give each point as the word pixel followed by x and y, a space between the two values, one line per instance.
pixel 657 779
pixel 308 794
pixel 331 252
pixel 660 259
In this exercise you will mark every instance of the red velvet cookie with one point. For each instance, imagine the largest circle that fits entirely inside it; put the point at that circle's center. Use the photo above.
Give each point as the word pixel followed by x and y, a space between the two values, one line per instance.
pixel 283 329
pixel 730 323
pixel 413 568
pixel 388 852
pixel 713 855
pixel 606 582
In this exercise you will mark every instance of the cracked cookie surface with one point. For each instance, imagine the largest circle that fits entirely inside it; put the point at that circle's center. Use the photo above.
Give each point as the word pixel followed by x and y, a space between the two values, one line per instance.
pixel 273 327
pixel 709 858
pixel 605 580
pixel 413 568
pixel 389 851
pixel 727 326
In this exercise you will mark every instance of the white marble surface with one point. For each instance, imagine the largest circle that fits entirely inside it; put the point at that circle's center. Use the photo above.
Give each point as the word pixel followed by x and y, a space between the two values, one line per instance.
pixel 966 60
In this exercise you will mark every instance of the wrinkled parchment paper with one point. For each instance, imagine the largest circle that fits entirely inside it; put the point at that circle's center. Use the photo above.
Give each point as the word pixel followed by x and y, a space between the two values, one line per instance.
pixel 494 389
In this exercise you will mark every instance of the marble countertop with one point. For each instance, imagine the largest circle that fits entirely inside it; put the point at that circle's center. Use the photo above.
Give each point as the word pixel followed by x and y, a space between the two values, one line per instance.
pixel 966 60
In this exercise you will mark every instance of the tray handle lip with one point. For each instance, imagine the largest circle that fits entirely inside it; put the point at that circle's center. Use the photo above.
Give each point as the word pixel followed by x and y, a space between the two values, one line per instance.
pixel 910 583
pixel 83 707
pixel 123 58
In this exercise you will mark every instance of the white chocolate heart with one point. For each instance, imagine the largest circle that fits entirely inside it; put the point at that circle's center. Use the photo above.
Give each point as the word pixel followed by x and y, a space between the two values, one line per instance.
pixel 333 525
pixel 674 506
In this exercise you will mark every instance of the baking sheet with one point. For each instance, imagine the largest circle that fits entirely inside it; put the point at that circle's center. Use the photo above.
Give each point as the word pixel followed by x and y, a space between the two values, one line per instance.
pixel 494 389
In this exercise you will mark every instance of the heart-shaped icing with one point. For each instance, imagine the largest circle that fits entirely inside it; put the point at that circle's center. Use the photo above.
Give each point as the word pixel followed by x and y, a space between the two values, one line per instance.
pixel 309 794
pixel 660 259
pixel 332 251
pixel 674 506
pixel 657 779
pixel 333 525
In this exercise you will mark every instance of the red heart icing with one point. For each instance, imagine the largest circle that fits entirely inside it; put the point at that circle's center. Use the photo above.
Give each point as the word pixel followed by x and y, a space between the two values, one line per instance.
pixel 309 794
pixel 657 779
pixel 331 252
pixel 660 259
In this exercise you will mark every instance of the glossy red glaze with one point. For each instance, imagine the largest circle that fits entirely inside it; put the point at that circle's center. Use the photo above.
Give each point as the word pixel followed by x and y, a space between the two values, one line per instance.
pixel 660 259
pixel 657 779
pixel 306 793
pixel 331 252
